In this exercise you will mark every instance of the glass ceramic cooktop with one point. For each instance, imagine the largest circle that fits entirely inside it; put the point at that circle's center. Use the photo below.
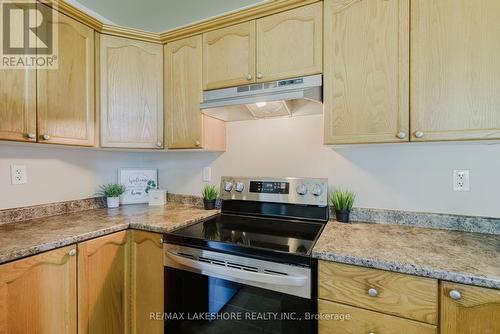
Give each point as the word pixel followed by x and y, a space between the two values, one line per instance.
pixel 272 234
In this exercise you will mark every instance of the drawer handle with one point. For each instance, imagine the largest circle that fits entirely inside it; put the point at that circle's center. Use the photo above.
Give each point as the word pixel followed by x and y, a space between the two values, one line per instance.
pixel 371 332
pixel 372 292
pixel 455 294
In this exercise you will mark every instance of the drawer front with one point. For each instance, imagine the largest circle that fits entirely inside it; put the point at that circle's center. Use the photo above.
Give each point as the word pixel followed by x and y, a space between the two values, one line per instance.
pixel 359 321
pixel 392 293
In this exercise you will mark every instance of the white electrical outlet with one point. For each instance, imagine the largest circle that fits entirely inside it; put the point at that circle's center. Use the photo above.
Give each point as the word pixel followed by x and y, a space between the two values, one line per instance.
pixel 461 181
pixel 207 174
pixel 18 174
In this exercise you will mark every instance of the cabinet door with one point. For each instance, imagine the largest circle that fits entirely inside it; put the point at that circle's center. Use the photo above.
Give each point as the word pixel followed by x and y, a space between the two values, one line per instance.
pixel 475 310
pixel 185 126
pixel 146 282
pixel 103 284
pixel 18 105
pixel 278 55
pixel 131 93
pixel 65 96
pixel 229 56
pixel 455 72
pixel 38 293
pixel 366 71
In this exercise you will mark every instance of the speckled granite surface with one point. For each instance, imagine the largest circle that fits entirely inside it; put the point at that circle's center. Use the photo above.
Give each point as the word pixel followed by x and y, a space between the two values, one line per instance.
pixel 462 257
pixel 21 239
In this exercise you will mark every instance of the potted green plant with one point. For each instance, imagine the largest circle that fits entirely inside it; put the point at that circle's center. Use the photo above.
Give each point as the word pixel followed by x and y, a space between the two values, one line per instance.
pixel 112 192
pixel 342 201
pixel 209 193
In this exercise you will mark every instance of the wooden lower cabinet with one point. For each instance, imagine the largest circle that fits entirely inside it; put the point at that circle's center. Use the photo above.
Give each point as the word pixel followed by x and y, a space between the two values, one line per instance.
pixel 104 284
pixel 360 321
pixel 469 309
pixel 146 282
pixel 38 294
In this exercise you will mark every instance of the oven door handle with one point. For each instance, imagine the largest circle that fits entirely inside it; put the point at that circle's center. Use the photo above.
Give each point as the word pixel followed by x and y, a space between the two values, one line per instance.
pixel 238 273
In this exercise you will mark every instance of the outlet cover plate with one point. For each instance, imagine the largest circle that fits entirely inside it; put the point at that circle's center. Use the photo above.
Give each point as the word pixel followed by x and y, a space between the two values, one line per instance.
pixel 461 180
pixel 18 174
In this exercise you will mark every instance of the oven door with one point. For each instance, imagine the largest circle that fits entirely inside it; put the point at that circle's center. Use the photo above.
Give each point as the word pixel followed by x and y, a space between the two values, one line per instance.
pixel 210 292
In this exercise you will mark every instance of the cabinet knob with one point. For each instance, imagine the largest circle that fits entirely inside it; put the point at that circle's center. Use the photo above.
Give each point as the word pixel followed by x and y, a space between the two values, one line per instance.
pixel 402 135
pixel 371 332
pixel 161 240
pixel 197 143
pixel 372 292
pixel 45 136
pixel 72 252
pixel 259 75
pixel 455 294
pixel 249 76
pixel 159 144
pixel 31 136
pixel 419 134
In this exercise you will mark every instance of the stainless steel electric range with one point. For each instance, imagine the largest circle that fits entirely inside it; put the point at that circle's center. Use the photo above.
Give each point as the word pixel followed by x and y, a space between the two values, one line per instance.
pixel 249 269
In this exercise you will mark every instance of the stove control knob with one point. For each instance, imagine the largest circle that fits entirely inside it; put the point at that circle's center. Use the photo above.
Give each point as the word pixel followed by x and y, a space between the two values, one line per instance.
pixel 316 190
pixel 301 189
pixel 239 187
pixel 228 186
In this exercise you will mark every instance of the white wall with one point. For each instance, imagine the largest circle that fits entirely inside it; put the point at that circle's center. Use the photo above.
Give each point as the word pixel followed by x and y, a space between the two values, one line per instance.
pixel 415 177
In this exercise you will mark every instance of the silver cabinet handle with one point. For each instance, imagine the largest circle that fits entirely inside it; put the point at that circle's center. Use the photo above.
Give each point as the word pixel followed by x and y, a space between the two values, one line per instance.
pixel 419 134
pixel 72 252
pixel 402 135
pixel 45 136
pixel 371 332
pixel 249 76
pixel 197 143
pixel 161 240
pixel 259 75
pixel 455 294
pixel 372 292
pixel 159 144
pixel 31 136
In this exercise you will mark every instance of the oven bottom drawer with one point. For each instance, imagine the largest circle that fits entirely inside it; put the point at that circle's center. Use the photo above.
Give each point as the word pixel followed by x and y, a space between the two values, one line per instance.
pixel 201 304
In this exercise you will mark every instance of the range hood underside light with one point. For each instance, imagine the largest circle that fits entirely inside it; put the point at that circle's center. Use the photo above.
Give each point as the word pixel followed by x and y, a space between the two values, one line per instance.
pixel 295 97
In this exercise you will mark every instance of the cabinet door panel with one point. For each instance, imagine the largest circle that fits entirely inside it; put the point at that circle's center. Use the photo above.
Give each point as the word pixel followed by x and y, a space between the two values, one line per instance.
pixel 103 284
pixel 131 93
pixel 65 96
pixel 455 72
pixel 477 310
pixel 146 282
pixel 38 294
pixel 229 56
pixel 281 57
pixel 366 71
pixel 183 93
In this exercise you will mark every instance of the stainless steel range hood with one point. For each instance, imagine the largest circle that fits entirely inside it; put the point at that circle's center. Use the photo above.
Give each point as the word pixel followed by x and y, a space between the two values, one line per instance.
pixel 291 97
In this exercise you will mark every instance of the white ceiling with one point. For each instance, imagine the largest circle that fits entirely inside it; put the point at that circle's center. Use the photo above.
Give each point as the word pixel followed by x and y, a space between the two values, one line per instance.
pixel 158 15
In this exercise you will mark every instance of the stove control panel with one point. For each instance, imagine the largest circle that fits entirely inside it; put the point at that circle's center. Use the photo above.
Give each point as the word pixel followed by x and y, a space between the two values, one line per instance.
pixel 307 191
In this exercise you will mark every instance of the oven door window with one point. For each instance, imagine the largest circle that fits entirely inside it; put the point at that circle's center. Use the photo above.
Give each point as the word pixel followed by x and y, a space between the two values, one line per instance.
pixel 201 304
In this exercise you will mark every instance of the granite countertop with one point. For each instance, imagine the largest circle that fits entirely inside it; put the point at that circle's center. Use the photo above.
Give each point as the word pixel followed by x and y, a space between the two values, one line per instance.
pixel 21 239
pixel 462 257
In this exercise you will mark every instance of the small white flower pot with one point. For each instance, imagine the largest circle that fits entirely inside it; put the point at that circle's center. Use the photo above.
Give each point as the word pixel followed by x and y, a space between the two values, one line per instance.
pixel 113 202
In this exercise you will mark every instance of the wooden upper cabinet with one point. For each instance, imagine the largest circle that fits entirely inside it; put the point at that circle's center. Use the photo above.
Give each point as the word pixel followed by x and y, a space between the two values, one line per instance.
pixel 471 310
pixel 229 56
pixel 18 105
pixel 146 282
pixel 455 72
pixel 289 44
pixel 131 85
pixel 38 293
pixel 366 56
pixel 185 126
pixel 104 284
pixel 65 96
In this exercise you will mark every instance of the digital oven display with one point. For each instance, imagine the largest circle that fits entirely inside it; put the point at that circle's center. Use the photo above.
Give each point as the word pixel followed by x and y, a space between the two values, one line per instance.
pixel 269 187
